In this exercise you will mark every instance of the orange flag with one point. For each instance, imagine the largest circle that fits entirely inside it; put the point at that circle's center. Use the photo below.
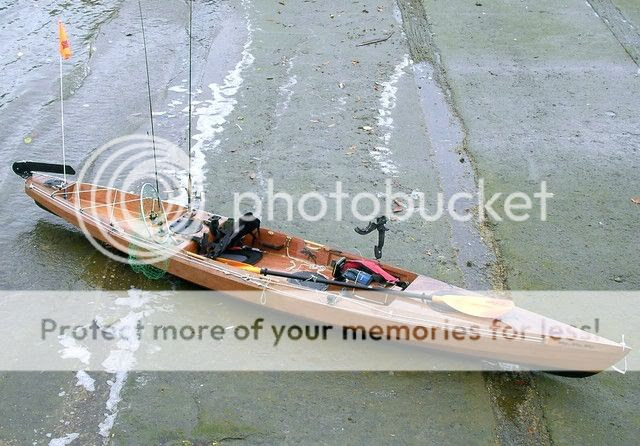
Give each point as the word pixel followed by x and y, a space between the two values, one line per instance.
pixel 65 48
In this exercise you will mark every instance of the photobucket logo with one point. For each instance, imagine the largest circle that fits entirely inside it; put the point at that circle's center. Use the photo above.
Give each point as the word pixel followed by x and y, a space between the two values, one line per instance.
pixel 127 195
pixel 365 206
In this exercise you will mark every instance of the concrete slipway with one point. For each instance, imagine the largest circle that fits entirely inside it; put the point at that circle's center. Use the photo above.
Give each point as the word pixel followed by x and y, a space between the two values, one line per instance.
pixel 511 92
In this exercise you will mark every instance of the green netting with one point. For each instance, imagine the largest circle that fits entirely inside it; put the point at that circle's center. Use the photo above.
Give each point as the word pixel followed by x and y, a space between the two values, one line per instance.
pixel 149 195
pixel 150 271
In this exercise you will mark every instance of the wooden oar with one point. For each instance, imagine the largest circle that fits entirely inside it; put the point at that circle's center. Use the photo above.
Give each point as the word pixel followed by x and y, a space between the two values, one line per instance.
pixel 479 306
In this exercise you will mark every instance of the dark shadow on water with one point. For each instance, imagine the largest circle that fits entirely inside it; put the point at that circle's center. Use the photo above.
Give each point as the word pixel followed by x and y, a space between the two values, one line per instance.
pixel 56 255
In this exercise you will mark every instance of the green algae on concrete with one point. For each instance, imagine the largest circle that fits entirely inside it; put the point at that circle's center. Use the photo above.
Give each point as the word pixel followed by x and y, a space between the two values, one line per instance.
pixel 543 93
pixel 31 406
pixel 547 93
pixel 599 410
pixel 631 11
pixel 327 408
pixel 213 428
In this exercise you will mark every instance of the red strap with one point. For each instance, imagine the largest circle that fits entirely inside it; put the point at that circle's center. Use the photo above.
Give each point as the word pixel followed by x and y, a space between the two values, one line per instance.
pixel 372 266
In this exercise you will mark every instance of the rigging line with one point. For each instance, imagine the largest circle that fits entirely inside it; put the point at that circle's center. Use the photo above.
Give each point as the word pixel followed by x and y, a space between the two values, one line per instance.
pixel 189 183
pixel 146 63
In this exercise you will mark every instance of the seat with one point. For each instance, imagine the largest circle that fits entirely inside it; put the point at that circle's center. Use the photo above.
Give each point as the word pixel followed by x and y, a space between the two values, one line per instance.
pixel 227 239
pixel 243 254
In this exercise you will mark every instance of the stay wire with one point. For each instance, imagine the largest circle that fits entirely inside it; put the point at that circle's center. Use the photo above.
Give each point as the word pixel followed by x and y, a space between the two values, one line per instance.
pixel 146 63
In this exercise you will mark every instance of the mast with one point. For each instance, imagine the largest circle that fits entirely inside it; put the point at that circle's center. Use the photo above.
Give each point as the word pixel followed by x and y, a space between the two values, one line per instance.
pixel 189 183
pixel 153 137
pixel 64 158
pixel 65 53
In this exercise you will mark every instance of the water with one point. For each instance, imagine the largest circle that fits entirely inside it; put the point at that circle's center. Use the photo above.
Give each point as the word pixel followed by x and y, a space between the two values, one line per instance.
pixel 31 66
pixel 105 97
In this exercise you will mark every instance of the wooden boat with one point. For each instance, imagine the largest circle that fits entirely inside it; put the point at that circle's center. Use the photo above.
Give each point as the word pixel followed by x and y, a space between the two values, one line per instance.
pixel 106 214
